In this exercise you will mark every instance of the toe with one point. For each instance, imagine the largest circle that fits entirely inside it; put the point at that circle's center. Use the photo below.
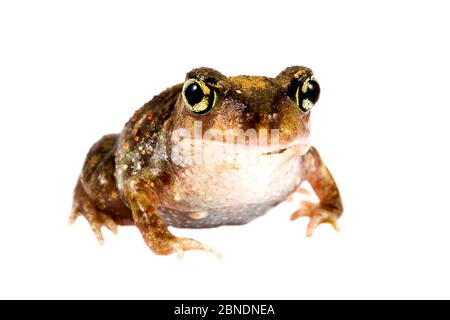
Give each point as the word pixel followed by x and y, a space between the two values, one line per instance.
pixel 312 225
pixel 109 223
pixel 304 191
pixel 308 204
pixel 302 213
pixel 98 233
pixel 73 216
pixel 335 225
pixel 191 244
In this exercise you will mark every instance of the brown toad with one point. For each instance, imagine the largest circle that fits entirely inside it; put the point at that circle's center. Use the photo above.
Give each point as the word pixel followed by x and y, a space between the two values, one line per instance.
pixel 213 151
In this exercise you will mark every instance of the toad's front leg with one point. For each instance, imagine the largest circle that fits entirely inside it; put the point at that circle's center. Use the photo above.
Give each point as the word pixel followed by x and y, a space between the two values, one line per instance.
pixel 143 201
pixel 329 208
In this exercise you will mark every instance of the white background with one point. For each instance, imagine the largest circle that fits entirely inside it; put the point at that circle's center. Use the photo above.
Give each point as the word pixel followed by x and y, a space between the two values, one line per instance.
pixel 73 71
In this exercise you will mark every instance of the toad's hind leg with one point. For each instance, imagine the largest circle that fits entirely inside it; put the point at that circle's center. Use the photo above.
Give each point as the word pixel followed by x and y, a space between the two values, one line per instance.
pixel 83 206
pixel 96 196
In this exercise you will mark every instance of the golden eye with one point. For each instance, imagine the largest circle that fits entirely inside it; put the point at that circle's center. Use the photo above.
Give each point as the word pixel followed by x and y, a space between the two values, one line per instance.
pixel 198 96
pixel 307 93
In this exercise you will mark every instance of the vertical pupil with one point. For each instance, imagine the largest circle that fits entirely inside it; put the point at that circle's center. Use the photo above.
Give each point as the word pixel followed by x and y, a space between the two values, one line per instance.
pixel 194 93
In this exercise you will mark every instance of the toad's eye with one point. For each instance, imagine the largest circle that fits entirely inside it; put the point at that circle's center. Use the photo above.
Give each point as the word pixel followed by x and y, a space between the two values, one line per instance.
pixel 198 96
pixel 306 93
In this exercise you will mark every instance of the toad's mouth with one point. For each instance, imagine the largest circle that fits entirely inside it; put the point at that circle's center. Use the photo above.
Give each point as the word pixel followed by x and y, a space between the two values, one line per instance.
pixel 294 148
pixel 298 146
pixel 279 151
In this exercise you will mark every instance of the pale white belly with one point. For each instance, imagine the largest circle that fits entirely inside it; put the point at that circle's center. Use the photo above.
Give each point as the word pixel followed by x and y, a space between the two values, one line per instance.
pixel 230 191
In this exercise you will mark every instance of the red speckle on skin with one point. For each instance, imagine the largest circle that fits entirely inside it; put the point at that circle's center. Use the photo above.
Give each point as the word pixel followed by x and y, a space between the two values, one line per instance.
pixel 150 117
